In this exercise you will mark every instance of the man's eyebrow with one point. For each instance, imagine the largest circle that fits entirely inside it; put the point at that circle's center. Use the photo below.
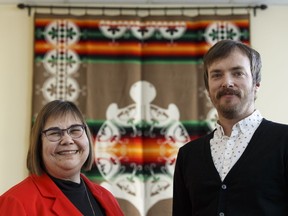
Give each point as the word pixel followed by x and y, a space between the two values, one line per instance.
pixel 215 71
pixel 233 68
pixel 237 67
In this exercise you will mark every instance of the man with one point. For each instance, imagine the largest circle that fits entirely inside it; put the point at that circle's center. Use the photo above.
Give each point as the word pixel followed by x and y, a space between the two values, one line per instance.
pixel 241 168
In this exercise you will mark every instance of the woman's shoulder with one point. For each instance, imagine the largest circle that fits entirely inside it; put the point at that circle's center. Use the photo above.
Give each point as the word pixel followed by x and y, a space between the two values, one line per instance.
pixel 20 187
pixel 18 194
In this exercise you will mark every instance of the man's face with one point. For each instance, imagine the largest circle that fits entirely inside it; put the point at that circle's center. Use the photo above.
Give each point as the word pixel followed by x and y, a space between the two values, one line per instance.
pixel 231 87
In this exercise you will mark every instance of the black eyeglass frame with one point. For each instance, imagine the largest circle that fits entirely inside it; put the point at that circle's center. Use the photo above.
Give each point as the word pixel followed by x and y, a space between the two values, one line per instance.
pixel 63 130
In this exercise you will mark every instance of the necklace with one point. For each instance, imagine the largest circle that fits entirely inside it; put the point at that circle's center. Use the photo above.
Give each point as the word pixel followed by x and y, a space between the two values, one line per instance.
pixel 89 198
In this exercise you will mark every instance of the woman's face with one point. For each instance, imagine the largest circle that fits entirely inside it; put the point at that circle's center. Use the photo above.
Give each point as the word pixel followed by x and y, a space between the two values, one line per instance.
pixel 64 159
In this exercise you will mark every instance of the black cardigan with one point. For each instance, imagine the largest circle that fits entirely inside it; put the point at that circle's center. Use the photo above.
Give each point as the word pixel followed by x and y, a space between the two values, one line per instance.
pixel 257 185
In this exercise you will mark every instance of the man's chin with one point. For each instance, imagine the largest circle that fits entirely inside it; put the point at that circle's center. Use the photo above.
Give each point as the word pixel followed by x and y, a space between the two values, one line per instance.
pixel 229 112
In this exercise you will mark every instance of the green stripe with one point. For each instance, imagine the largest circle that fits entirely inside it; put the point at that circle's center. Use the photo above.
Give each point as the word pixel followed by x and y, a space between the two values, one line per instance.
pixel 133 61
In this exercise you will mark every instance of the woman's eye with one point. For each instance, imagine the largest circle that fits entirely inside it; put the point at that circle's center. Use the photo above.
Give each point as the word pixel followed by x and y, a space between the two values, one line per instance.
pixel 75 131
pixel 54 133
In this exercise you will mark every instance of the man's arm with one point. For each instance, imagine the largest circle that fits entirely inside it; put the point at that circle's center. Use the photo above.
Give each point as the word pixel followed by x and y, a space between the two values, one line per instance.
pixel 182 205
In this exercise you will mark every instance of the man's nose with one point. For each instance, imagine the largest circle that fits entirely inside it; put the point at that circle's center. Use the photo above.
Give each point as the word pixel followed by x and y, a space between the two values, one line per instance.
pixel 228 81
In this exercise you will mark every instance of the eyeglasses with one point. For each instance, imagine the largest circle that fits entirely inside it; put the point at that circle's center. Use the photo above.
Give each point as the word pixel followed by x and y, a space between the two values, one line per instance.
pixel 56 134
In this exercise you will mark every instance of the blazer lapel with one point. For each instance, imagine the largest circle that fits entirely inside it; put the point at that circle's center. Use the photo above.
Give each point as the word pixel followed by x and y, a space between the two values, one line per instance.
pixel 111 207
pixel 49 190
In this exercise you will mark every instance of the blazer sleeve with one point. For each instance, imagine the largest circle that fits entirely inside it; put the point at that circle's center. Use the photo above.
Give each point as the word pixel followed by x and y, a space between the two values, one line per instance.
pixel 10 205
pixel 181 199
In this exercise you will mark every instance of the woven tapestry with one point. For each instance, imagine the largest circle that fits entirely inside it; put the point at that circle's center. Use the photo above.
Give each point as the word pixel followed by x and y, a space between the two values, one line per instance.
pixel 139 83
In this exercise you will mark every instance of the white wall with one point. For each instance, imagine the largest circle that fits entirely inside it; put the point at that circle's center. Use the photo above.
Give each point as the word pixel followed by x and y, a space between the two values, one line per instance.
pixel 269 31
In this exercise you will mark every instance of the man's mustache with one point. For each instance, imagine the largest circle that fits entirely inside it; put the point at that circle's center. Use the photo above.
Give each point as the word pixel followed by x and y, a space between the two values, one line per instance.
pixel 228 92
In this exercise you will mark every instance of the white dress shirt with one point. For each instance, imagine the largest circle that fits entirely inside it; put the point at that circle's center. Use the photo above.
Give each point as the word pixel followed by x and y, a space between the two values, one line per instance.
pixel 226 150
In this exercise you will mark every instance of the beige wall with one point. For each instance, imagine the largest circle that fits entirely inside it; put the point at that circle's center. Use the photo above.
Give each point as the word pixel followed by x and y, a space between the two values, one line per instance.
pixel 15 93
pixel 269 36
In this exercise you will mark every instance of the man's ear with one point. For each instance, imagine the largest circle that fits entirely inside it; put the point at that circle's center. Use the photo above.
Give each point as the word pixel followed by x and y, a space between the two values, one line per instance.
pixel 257 87
pixel 207 93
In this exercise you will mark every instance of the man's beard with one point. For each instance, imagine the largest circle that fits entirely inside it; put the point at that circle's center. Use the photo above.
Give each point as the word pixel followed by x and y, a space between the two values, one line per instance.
pixel 229 112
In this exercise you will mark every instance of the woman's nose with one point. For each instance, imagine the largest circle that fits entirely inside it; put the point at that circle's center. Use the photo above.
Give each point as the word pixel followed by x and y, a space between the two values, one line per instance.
pixel 66 138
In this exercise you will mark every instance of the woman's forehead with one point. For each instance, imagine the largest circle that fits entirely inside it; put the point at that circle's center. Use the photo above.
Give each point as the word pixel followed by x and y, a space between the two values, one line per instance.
pixel 63 117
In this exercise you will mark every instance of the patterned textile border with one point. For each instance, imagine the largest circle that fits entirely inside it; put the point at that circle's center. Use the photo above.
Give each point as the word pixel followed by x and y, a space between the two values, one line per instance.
pixel 138 81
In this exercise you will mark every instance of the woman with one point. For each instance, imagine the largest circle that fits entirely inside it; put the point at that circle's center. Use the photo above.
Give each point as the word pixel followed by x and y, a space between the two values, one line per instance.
pixel 60 148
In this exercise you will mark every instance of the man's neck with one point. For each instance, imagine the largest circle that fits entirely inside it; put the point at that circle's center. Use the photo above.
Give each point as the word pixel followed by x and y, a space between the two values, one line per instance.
pixel 227 124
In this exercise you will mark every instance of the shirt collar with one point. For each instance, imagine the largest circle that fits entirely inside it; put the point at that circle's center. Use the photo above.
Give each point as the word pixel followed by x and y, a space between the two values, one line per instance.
pixel 251 122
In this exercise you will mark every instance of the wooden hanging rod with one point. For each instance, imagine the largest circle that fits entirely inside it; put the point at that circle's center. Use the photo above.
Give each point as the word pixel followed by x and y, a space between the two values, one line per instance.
pixel 52 7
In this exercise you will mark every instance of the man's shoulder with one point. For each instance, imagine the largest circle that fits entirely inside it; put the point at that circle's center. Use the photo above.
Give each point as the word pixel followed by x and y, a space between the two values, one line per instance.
pixel 272 125
pixel 198 142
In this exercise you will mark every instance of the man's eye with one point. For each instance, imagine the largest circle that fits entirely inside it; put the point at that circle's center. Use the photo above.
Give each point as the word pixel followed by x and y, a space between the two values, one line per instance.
pixel 215 75
pixel 238 73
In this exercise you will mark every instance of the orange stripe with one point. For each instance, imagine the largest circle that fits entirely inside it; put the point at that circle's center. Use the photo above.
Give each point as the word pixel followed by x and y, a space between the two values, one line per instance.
pixel 129 48
pixel 205 23
pixel 142 150
pixel 43 22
